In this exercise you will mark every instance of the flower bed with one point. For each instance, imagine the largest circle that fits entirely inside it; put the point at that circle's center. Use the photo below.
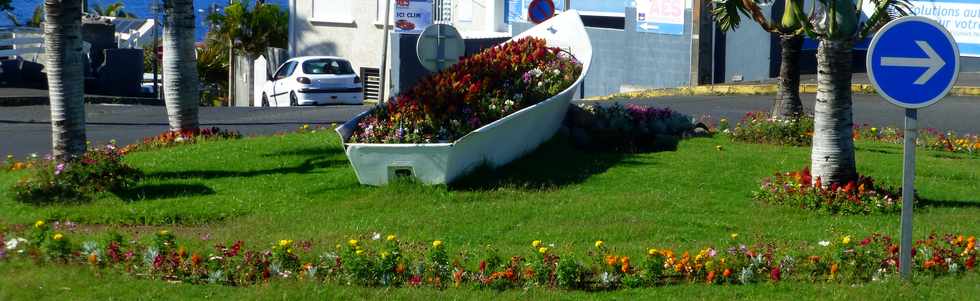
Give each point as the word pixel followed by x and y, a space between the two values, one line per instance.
pixel 389 262
pixel 629 128
pixel 860 197
pixel 931 139
pixel 760 127
pixel 479 90
pixel 97 170
pixel 171 138
pixel 437 140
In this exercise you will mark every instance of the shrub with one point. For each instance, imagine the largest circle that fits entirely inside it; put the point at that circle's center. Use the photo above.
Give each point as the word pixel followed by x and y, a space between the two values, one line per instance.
pixel 858 197
pixel 475 92
pixel 76 179
pixel 171 138
pixel 629 128
pixel 931 139
pixel 759 127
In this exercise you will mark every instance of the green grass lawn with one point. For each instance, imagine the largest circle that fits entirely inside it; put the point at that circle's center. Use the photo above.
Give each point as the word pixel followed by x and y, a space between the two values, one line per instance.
pixel 300 186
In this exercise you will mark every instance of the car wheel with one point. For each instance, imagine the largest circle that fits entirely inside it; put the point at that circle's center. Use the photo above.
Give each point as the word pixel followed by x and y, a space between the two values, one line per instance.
pixel 265 101
pixel 293 101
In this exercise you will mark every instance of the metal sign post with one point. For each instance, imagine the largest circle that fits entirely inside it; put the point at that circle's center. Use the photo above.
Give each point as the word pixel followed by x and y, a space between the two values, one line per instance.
pixel 384 55
pixel 913 62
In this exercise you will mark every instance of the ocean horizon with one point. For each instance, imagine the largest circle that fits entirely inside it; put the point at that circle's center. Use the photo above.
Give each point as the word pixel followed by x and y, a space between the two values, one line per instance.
pixel 23 9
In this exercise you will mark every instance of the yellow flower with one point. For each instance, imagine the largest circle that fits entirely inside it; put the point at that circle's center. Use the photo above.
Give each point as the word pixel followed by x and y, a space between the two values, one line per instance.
pixel 846 240
pixel 734 235
pixel 352 242
pixel 285 242
pixel 437 244
pixel 391 237
pixel 57 236
pixel 652 252
pixel 599 244
pixel 536 243
pixel 384 255
pixel 306 126
pixel 39 224
pixel 718 147
pixel 164 232
pixel 359 252
pixel 542 250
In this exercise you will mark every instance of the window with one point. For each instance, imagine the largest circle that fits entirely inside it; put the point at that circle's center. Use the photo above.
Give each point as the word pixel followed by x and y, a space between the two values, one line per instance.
pixel 286 70
pixel 327 66
pixel 332 11
pixel 443 12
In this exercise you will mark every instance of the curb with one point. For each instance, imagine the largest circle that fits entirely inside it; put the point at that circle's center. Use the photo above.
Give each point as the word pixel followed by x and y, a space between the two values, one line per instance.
pixel 755 89
pixel 89 99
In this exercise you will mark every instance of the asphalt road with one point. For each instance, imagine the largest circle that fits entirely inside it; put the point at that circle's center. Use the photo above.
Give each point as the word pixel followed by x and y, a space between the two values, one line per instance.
pixel 26 130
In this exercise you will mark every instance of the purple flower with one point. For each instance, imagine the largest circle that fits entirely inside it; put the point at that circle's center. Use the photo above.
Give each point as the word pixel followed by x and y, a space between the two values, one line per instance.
pixel 59 168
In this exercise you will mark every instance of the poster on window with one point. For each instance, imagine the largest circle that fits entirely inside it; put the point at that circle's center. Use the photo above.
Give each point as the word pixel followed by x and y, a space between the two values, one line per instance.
pixel 960 17
pixel 412 16
pixel 660 16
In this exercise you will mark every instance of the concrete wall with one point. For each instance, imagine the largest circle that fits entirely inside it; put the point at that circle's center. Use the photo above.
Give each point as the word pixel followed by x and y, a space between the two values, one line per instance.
pixel 626 60
pixel 748 51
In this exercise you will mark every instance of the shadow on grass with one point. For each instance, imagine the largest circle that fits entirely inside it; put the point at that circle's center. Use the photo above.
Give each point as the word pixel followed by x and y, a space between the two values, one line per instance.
pixel 307 152
pixel 307 166
pixel 948 204
pixel 162 191
pixel 554 164
pixel 319 157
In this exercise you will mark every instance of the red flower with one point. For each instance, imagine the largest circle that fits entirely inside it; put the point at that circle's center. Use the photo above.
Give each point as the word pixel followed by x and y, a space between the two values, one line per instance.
pixel 775 274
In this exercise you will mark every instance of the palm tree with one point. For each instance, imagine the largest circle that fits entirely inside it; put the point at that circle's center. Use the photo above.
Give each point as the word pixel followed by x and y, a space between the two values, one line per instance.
pixel 727 13
pixel 837 25
pixel 113 10
pixel 63 48
pixel 180 78
pixel 252 31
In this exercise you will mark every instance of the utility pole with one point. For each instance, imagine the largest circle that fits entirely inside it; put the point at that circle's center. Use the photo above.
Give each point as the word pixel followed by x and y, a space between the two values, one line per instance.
pixel 384 55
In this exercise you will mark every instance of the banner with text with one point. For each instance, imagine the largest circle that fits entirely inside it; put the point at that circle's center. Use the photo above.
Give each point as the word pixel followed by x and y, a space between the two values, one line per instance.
pixel 960 17
pixel 412 16
pixel 660 16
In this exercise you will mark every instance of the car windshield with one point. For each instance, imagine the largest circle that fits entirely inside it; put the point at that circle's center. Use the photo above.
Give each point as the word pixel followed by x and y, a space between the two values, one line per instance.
pixel 327 66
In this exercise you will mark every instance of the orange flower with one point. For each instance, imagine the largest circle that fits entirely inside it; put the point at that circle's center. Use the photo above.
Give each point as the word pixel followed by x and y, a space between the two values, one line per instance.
pixel 711 277
pixel 93 258
pixel 626 264
pixel 611 260
pixel 727 273
pixel 833 270
pixel 196 259
pixel 400 268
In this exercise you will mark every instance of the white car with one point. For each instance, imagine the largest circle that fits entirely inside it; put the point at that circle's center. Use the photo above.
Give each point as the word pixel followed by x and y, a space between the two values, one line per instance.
pixel 313 80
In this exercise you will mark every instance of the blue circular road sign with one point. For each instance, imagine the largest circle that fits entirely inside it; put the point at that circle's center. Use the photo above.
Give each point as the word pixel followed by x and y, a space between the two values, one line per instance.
pixel 913 62
pixel 540 10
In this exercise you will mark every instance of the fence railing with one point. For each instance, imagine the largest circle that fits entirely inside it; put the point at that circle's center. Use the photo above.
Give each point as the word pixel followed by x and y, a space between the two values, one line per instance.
pixel 26 43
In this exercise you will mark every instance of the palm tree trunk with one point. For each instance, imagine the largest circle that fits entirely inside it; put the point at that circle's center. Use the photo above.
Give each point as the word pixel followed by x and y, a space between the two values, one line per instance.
pixel 833 143
pixel 63 47
pixel 788 104
pixel 180 78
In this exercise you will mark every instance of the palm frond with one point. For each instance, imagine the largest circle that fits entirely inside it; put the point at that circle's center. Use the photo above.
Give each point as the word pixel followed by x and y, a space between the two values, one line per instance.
pixel 885 11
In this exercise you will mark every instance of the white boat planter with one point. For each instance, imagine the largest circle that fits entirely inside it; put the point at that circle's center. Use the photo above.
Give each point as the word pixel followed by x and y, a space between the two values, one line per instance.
pixel 494 144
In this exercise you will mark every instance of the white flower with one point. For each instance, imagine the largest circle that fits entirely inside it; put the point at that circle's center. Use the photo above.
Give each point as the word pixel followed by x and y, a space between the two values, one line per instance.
pixel 509 102
pixel 824 243
pixel 14 242
pixel 376 236
pixel 556 71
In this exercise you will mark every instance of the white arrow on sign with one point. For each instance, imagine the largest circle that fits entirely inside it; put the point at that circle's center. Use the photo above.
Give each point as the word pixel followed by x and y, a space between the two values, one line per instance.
pixel 934 62
pixel 648 26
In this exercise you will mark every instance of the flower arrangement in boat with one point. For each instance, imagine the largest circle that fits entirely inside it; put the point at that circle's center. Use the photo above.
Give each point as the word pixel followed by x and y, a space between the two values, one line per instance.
pixel 475 92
